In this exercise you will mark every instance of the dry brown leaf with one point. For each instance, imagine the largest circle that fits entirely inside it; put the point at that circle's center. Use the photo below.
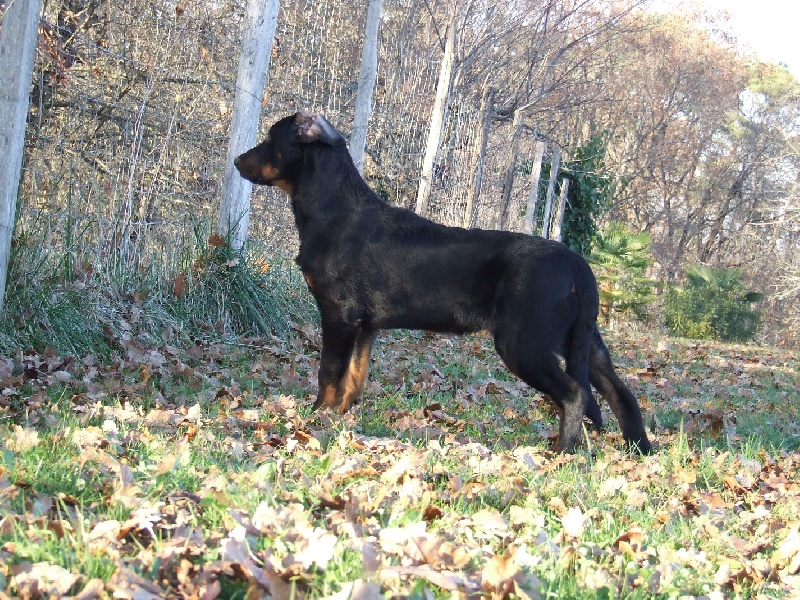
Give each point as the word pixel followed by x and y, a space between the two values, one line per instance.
pixel 23 438
pixel 431 513
pixel 94 588
pixel 42 579
pixel 556 504
pixel 497 576
pixel 179 285
pixel 215 240
pixel 787 555
pixel 234 549
pixel 446 580
pixel 629 543
pixel 357 590
pixel 315 548
pixel 127 585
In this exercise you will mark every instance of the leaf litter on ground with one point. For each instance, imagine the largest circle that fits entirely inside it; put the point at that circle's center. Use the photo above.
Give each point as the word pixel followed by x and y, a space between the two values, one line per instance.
pixel 201 473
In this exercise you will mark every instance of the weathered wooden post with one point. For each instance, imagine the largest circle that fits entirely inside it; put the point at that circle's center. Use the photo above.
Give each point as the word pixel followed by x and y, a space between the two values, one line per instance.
pixel 366 85
pixel 555 164
pixel 261 19
pixel 437 120
pixel 508 177
pixel 18 38
pixel 558 221
pixel 533 194
pixel 479 157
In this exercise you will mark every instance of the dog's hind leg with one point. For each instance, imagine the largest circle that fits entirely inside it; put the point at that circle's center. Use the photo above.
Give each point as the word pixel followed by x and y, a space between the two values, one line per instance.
pixel 356 375
pixel 543 372
pixel 576 356
pixel 619 397
pixel 539 367
pixel 338 343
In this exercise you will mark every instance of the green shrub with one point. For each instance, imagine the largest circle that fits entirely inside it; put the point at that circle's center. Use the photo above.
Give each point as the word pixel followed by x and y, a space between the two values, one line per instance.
pixel 713 305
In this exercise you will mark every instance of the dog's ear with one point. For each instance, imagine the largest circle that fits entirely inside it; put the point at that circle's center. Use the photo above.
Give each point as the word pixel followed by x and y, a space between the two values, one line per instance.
pixel 314 128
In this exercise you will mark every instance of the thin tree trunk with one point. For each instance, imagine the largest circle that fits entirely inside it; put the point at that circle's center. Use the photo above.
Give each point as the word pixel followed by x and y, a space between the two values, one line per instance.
pixel 533 195
pixel 555 164
pixel 18 38
pixel 479 157
pixel 366 85
pixel 261 18
pixel 508 177
pixel 437 121
pixel 555 230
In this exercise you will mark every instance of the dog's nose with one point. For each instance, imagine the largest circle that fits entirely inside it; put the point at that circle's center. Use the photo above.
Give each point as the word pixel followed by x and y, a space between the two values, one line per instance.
pixel 236 161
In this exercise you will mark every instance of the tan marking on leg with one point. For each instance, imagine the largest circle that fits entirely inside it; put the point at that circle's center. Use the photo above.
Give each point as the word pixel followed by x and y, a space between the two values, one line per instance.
pixel 308 282
pixel 355 378
pixel 326 397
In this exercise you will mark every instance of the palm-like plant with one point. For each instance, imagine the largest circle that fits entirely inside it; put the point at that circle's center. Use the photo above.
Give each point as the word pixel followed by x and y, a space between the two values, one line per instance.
pixel 620 258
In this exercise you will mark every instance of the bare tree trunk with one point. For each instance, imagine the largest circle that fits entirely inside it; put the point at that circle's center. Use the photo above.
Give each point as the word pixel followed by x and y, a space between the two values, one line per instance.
pixel 479 157
pixel 508 178
pixel 555 230
pixel 555 164
pixel 437 120
pixel 261 18
pixel 366 85
pixel 18 38
pixel 533 195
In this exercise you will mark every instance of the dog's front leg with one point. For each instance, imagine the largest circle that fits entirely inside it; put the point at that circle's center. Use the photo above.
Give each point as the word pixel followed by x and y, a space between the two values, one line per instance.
pixel 338 342
pixel 356 376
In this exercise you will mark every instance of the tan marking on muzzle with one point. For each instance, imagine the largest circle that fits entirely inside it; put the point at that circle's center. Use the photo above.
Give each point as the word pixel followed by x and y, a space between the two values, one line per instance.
pixel 269 172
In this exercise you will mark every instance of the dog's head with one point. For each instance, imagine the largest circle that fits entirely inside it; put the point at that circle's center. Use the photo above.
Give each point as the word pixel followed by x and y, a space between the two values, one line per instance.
pixel 275 160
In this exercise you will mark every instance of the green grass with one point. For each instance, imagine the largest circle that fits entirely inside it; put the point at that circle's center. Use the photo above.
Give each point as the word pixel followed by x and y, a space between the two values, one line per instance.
pixel 444 466
pixel 74 296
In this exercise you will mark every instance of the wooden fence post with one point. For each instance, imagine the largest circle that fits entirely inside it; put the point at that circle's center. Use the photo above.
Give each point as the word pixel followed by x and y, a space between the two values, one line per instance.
pixel 533 194
pixel 261 19
pixel 479 157
pixel 18 37
pixel 437 120
pixel 508 177
pixel 555 229
pixel 555 164
pixel 366 85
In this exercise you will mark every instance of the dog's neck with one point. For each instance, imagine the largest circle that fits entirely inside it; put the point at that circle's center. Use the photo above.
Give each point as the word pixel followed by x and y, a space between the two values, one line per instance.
pixel 324 170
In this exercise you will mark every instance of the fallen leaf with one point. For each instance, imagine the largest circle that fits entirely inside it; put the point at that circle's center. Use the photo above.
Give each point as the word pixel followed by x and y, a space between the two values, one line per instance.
pixel 574 522
pixel 42 579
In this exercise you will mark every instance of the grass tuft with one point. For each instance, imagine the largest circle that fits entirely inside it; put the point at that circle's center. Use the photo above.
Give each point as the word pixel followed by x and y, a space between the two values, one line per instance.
pixel 202 288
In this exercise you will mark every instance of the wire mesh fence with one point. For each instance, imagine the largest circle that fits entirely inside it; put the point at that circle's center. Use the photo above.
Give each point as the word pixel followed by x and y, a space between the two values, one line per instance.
pixel 131 107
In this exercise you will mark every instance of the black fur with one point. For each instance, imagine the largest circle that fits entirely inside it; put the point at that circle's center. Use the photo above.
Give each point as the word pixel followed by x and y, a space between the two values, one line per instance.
pixel 371 266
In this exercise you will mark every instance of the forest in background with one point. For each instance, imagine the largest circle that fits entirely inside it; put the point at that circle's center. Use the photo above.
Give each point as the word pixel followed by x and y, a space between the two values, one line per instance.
pixel 131 107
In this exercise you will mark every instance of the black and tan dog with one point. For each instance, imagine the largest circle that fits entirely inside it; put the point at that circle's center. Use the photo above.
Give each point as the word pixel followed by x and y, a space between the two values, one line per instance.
pixel 371 266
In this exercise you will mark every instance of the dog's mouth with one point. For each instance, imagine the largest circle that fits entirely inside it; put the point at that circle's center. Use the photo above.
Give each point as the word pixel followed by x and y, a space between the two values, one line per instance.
pixel 265 175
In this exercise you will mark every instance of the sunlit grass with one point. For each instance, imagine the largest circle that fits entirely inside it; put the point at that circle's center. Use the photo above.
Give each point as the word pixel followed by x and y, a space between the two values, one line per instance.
pixel 445 442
